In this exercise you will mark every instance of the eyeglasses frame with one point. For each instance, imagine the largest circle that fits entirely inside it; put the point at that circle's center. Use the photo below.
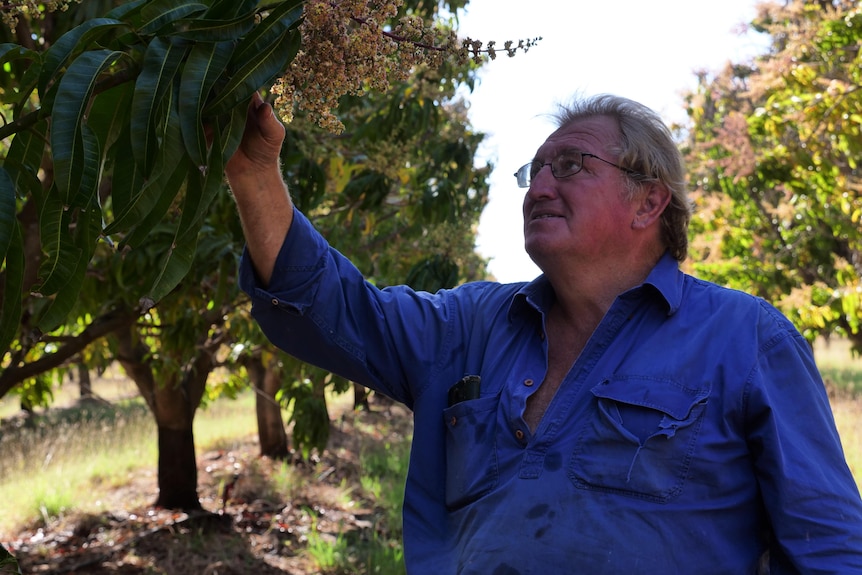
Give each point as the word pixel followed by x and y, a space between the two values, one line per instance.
pixel 627 171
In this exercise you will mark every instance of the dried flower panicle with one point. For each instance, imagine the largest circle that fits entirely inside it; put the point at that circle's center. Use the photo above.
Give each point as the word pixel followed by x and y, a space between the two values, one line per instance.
pixel 349 48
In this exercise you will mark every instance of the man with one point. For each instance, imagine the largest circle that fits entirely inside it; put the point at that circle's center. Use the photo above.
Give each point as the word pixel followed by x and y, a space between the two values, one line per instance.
pixel 612 416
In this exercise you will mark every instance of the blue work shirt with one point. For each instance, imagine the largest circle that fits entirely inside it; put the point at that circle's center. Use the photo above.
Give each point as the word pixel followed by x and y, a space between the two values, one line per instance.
pixel 692 434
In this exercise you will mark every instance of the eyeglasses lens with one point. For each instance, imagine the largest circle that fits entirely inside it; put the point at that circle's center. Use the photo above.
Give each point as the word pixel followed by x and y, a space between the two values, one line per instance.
pixel 562 166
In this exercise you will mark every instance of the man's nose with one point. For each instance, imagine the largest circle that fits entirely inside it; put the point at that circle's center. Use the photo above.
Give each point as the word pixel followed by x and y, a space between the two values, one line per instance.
pixel 543 183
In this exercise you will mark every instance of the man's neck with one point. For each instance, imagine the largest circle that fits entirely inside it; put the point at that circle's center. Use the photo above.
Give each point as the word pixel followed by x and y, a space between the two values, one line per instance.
pixel 584 293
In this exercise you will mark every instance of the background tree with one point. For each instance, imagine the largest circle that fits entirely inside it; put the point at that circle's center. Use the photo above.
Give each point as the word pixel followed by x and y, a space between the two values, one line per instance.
pixel 774 151
pixel 113 220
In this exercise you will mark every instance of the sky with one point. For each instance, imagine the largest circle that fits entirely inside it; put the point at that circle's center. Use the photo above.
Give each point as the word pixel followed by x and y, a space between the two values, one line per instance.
pixel 646 50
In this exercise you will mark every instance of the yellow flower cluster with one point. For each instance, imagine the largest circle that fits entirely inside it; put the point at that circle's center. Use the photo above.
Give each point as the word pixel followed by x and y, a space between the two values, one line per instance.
pixel 351 47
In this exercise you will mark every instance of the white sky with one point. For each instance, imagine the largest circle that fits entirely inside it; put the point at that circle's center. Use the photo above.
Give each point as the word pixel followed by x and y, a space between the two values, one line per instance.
pixel 647 50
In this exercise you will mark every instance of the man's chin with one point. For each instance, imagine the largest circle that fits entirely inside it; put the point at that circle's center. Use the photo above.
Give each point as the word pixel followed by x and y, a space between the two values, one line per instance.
pixel 540 252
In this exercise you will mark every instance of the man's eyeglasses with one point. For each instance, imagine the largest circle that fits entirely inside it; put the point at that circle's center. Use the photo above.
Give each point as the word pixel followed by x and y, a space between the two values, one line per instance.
pixel 563 165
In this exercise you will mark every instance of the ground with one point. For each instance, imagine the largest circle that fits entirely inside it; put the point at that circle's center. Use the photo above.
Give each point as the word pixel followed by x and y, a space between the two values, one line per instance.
pixel 253 531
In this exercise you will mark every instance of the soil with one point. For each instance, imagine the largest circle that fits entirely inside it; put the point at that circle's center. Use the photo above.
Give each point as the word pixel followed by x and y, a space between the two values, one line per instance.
pixel 247 526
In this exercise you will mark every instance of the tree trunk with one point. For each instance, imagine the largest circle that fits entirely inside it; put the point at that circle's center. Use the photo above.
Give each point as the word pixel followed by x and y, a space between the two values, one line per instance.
pixel 173 402
pixel 855 340
pixel 266 380
pixel 360 398
pixel 178 473
pixel 85 385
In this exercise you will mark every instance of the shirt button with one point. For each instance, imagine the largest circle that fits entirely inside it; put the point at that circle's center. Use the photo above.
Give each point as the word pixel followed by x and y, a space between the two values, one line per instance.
pixel 519 435
pixel 528 382
pixel 453 421
pixel 274 301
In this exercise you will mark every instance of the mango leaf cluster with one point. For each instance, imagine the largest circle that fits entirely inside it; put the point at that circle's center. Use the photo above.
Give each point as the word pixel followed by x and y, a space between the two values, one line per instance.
pixel 775 151
pixel 138 110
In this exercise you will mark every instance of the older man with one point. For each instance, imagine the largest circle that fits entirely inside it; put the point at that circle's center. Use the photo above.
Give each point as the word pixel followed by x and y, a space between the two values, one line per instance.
pixel 614 415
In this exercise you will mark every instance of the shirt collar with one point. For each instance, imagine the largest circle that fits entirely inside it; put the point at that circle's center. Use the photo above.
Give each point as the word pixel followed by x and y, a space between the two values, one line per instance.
pixel 665 277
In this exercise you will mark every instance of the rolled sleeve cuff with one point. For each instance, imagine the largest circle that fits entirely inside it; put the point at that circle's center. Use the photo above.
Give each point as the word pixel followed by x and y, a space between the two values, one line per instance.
pixel 297 268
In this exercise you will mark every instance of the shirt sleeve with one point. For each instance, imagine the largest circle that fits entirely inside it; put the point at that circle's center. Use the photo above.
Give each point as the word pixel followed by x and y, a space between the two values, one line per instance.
pixel 319 308
pixel 808 490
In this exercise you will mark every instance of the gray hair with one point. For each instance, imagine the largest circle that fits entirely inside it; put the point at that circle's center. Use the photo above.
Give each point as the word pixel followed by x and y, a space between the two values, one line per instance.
pixel 647 148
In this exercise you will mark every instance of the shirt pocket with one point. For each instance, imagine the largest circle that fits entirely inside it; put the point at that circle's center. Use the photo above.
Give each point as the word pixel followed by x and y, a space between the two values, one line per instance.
pixel 471 450
pixel 639 438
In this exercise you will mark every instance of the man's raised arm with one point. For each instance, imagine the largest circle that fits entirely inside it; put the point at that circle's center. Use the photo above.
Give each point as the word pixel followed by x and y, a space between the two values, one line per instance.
pixel 262 199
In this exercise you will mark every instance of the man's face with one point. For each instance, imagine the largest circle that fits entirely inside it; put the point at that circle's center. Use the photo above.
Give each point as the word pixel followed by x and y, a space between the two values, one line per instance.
pixel 582 217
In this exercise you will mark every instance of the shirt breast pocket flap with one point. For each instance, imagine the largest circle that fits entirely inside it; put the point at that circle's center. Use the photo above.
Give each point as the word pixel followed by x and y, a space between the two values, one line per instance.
pixel 640 437
pixel 471 449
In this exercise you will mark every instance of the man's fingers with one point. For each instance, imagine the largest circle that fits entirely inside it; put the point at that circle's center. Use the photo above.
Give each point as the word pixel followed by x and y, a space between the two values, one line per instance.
pixel 271 129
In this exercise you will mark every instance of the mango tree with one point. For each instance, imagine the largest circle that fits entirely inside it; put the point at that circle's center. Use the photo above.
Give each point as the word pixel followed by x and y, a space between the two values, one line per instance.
pixel 113 215
pixel 774 156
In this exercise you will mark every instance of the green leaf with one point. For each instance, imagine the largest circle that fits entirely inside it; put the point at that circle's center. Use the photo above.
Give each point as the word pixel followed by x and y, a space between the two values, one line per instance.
pixel 161 63
pixel 10 52
pixel 232 127
pixel 284 17
pixel 10 315
pixel 127 10
pixel 129 181
pixel 227 9
pixel 175 266
pixel 256 72
pixel 26 87
pixel 90 169
pixel 17 90
pixel 87 228
pixel 61 51
pixel 201 189
pixel 160 13
pixel 109 114
pixel 213 181
pixel 205 30
pixel 7 211
pixel 62 254
pixel 433 273
pixel 24 158
pixel 166 193
pixel 143 201
pixel 73 96
pixel 206 62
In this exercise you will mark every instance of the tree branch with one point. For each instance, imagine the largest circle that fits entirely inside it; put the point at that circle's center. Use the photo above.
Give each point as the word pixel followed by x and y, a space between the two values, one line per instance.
pixel 102 326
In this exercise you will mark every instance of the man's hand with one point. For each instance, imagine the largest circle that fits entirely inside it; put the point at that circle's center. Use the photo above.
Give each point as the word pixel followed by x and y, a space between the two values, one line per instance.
pixel 261 141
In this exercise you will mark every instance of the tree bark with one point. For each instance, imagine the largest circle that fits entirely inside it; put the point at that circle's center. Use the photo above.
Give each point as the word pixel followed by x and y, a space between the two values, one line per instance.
pixel 177 470
pixel 266 380
pixel 360 398
pixel 85 385
pixel 173 401
pixel 100 327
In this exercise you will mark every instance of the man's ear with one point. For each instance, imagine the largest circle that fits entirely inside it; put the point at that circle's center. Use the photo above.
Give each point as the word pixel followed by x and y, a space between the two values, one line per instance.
pixel 651 204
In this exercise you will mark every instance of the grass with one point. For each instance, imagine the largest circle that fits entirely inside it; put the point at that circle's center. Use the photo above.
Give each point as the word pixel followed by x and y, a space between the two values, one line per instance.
pixel 48 463
pixel 383 468
pixel 839 366
pixel 842 372
pixel 63 459
pixel 62 465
